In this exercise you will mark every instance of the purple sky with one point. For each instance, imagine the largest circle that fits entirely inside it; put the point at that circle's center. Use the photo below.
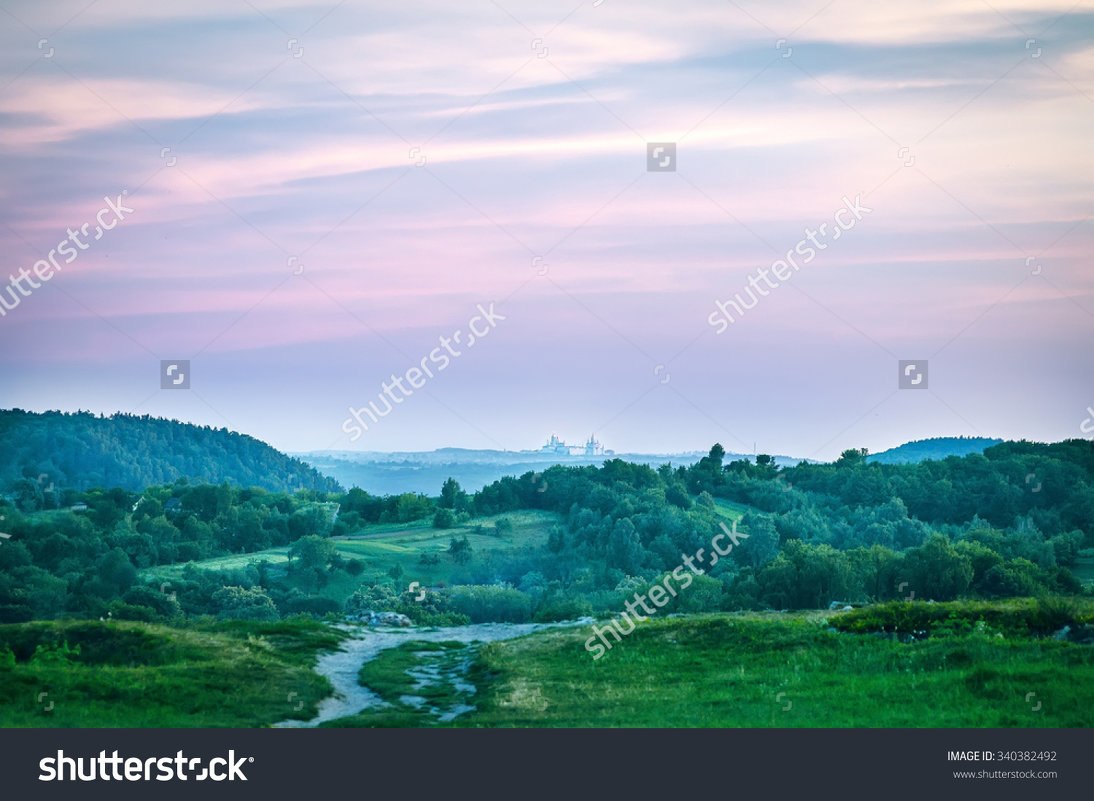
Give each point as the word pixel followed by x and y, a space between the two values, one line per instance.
pixel 320 192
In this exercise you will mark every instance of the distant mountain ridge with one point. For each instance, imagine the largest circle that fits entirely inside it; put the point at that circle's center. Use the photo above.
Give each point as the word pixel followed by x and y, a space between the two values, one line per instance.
pixel 81 450
pixel 936 448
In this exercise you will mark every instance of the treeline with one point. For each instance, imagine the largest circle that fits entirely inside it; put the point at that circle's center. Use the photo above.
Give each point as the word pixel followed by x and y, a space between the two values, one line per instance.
pixel 1007 523
pixel 82 450
pixel 1012 522
pixel 79 558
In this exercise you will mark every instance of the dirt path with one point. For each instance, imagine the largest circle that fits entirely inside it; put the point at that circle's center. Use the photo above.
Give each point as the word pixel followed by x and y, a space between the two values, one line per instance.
pixel 342 667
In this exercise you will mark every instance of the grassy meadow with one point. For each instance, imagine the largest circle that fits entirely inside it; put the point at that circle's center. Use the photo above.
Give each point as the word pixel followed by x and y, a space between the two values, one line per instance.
pixel 131 674
pixel 770 670
pixel 385 547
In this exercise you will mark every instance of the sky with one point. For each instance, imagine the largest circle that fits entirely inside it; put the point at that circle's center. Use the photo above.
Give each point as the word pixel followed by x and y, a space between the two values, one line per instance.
pixel 307 199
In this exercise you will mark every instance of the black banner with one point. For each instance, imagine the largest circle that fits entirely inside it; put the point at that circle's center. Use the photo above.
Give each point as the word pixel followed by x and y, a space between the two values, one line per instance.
pixel 435 763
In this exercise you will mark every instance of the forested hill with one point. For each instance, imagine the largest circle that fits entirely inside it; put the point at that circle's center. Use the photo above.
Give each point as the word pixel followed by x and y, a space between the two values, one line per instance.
pixel 83 450
pixel 936 448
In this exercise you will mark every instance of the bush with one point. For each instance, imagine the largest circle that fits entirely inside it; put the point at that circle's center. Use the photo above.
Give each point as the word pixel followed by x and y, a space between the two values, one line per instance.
pixel 311 605
pixel 1028 617
pixel 488 603
pixel 444 519
pixel 55 654
pixel 355 567
pixel 119 610
pixel 435 610
pixel 1052 614
pixel 242 603
pixel 563 607
pixel 704 594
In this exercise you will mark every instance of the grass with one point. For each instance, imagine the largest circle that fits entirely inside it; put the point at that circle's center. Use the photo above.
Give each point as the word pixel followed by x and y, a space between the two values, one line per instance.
pixel 129 674
pixel 382 547
pixel 977 665
pixel 733 511
pixel 789 670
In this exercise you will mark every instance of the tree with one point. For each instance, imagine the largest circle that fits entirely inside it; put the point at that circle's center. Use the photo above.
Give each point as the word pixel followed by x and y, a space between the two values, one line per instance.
pixel 444 518
pixel 409 506
pixel 677 495
pixel 875 572
pixel 625 548
pixel 804 576
pixel 556 540
pixel 28 495
pixel 704 595
pixel 936 570
pixel 243 603
pixel 312 552
pixel 852 457
pixel 313 559
pixel 116 573
pixel 396 573
pixel 312 519
pixel 762 544
pixel 452 495
pixel 460 550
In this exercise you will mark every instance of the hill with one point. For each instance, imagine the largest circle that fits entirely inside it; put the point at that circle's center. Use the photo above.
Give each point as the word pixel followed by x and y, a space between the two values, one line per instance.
pixel 936 448
pixel 83 450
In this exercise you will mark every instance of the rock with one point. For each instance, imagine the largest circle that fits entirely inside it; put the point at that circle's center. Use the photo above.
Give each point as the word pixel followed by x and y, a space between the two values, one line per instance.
pixel 370 617
pixel 1062 633
pixel 393 619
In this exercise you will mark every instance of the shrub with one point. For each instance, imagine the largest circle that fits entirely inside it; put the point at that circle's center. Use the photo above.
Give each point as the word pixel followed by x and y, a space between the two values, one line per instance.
pixel 484 603
pixel 355 567
pixel 242 603
pixel 563 607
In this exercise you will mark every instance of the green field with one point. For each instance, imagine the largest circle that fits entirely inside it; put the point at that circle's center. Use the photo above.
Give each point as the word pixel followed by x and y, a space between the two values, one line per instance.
pixel 978 665
pixel 383 547
pixel 733 511
pixel 128 674
pixel 765 670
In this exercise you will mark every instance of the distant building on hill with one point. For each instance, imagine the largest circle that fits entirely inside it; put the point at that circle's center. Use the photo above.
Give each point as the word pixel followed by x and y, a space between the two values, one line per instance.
pixel 555 445
pixel 593 448
pixel 559 448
